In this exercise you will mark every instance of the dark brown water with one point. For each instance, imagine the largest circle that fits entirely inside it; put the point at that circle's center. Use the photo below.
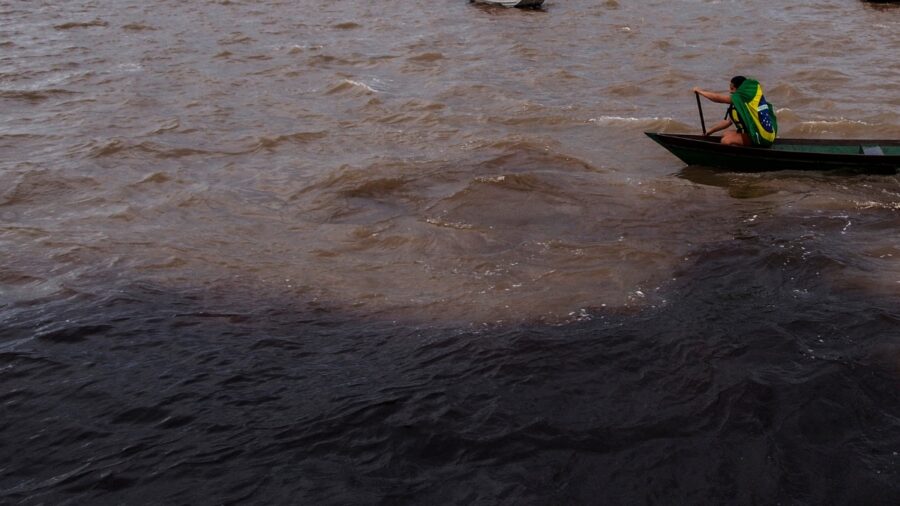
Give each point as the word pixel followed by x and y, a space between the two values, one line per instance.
pixel 421 252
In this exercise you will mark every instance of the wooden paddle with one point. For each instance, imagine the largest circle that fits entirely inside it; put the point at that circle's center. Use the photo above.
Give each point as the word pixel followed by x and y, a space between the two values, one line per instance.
pixel 700 108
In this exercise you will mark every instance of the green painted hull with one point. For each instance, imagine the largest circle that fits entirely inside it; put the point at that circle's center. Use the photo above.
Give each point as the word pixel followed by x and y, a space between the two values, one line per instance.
pixel 512 3
pixel 862 155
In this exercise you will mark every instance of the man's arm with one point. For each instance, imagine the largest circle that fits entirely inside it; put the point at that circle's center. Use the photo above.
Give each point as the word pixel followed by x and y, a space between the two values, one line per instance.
pixel 722 125
pixel 722 98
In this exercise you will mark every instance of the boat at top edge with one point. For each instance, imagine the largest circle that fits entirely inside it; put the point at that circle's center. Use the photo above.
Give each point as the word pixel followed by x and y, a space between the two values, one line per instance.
pixel 511 3
pixel 858 155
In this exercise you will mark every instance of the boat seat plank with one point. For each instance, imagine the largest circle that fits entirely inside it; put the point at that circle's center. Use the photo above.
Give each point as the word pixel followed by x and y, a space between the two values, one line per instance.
pixel 871 150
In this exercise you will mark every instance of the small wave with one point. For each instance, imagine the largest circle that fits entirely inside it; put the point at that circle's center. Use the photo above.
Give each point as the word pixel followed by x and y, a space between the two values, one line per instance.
pixel 327 60
pixel 155 178
pixel 298 48
pixel 48 83
pixel 14 277
pixel 137 27
pixel 426 57
pixel 72 334
pixel 350 84
pixel 564 75
pixel 130 67
pixel 822 75
pixel 840 126
pixel 893 206
pixel 520 155
pixel 528 190
pixel 41 186
pixel 19 137
pixel 421 106
pixel 398 118
pixel 785 91
pixel 169 262
pixel 236 38
pixel 624 90
pixel 518 182
pixel 786 114
pixel 298 137
pixel 835 122
pixel 81 24
pixel 115 147
pixel 654 122
pixel 33 95
pixel 458 225
pixel 539 121
pixel 490 179
pixel 141 415
pixel 347 26
pixel 666 79
pixel 375 188
pixel 375 181
pixel 362 85
pixel 108 148
pixel 167 126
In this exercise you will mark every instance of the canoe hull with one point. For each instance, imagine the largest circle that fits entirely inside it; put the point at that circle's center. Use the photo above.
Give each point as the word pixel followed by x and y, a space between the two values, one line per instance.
pixel 512 3
pixel 786 154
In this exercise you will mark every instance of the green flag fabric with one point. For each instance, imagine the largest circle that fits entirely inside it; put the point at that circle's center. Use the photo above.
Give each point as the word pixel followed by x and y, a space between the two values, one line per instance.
pixel 757 115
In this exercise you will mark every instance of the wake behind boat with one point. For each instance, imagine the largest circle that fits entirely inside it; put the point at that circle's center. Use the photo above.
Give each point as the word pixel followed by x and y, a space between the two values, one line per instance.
pixel 511 3
pixel 858 155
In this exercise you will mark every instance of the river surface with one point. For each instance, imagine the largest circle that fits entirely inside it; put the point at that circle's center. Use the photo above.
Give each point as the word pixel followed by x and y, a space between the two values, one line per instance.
pixel 313 252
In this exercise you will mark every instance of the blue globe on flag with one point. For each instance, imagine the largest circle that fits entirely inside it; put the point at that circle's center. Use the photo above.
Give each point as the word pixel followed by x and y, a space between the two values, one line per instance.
pixel 765 116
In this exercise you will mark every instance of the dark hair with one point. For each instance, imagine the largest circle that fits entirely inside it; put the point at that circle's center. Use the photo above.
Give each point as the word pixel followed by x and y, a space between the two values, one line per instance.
pixel 737 81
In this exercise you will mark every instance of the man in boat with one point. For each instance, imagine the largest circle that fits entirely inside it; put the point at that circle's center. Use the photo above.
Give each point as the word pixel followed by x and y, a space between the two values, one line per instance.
pixel 753 117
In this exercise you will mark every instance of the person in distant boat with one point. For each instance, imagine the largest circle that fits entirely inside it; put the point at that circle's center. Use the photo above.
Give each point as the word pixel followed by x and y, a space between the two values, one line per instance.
pixel 753 118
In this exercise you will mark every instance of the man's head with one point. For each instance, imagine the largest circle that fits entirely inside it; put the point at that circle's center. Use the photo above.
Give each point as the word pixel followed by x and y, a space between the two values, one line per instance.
pixel 736 82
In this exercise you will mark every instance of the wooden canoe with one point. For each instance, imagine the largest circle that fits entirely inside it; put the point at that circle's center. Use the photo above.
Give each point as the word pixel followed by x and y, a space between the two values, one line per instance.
pixel 512 3
pixel 856 155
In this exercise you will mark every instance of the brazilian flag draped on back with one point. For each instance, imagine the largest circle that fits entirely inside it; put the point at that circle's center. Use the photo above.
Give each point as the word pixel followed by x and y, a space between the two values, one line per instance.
pixel 757 115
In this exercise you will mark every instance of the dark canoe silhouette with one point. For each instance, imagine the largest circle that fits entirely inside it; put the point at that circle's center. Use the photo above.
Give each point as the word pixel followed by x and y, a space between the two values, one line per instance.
pixel 858 155
pixel 512 3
